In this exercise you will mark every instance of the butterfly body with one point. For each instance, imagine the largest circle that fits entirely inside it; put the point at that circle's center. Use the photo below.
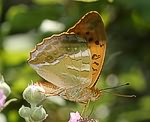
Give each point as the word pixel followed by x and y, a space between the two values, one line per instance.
pixel 81 95
pixel 78 94
pixel 72 61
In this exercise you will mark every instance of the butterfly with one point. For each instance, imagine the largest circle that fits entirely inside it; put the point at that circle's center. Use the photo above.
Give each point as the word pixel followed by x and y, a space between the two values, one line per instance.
pixel 71 62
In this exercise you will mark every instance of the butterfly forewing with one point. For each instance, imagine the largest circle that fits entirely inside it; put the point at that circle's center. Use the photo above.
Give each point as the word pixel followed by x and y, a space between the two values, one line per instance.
pixel 91 28
pixel 63 60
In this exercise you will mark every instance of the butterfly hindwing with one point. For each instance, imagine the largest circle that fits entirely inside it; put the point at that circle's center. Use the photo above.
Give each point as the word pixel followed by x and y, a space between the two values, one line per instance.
pixel 63 60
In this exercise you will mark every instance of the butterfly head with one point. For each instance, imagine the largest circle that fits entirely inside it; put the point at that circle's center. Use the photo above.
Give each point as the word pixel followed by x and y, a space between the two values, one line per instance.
pixel 95 94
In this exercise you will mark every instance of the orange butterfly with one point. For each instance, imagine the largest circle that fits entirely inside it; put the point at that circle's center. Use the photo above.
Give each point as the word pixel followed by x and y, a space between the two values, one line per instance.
pixel 72 61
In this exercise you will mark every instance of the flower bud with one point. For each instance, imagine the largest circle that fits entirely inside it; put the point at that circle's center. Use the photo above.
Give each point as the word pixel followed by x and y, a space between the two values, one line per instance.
pixel 38 114
pixel 4 87
pixel 24 111
pixel 33 94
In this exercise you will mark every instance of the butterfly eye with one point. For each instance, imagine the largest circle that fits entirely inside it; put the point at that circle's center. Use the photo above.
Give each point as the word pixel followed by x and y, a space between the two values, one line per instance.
pixel 96 93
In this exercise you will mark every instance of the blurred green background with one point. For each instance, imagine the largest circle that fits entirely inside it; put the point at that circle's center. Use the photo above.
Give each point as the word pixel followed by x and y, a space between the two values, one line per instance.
pixel 24 23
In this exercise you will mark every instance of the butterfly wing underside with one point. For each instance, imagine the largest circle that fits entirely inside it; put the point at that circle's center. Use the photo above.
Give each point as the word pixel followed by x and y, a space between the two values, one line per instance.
pixel 91 28
pixel 63 60
pixel 72 58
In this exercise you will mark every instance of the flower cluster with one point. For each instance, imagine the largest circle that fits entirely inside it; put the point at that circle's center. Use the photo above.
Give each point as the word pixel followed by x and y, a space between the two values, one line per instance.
pixel 33 95
pixel 4 93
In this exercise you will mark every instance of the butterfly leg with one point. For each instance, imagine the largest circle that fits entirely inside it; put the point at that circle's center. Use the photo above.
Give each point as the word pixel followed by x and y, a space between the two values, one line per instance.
pixel 54 93
pixel 85 107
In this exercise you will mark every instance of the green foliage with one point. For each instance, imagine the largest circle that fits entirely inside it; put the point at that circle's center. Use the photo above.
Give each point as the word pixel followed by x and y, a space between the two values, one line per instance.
pixel 127 25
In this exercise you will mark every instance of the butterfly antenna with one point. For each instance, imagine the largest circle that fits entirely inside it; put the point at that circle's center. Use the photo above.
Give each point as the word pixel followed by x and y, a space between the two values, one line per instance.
pixel 115 87
pixel 117 94
pixel 124 95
